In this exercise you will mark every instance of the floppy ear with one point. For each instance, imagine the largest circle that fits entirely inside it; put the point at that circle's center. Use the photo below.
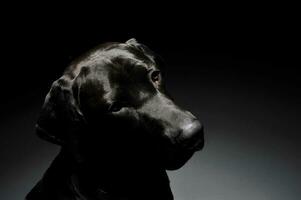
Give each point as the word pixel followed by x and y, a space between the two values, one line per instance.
pixel 132 41
pixel 60 116
pixel 157 58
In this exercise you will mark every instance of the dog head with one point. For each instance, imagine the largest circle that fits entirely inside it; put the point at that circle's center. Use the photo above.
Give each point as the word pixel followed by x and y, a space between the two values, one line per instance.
pixel 113 100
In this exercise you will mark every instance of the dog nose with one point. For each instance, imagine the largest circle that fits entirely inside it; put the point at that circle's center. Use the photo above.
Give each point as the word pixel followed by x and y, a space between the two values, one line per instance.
pixel 192 136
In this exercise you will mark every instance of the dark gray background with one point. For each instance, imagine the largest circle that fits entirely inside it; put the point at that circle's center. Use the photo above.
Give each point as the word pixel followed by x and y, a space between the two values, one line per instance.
pixel 238 75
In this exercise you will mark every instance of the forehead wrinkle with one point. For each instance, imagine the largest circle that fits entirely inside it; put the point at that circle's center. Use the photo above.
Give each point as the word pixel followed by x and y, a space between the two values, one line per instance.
pixel 121 51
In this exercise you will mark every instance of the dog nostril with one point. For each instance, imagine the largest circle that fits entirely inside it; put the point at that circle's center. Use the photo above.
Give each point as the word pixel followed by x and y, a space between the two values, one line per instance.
pixel 192 134
pixel 192 130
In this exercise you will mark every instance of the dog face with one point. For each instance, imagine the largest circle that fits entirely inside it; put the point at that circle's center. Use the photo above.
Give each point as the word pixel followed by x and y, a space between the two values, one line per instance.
pixel 112 103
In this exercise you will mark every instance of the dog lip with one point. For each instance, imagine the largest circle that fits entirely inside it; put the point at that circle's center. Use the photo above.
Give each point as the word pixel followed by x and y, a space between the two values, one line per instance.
pixel 191 147
pixel 198 146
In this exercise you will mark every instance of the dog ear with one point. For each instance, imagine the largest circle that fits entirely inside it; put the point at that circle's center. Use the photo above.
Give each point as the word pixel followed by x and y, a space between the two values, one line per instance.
pixel 157 58
pixel 60 116
pixel 132 41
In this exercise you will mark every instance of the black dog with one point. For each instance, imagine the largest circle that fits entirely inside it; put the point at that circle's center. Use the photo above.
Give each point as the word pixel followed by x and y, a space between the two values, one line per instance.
pixel 118 128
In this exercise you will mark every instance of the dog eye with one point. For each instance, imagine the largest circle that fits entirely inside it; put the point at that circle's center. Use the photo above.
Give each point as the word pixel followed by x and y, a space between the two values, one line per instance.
pixel 156 77
pixel 115 107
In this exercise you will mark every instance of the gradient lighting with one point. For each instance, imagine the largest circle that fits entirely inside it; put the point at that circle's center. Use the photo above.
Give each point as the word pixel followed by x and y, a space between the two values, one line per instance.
pixel 252 146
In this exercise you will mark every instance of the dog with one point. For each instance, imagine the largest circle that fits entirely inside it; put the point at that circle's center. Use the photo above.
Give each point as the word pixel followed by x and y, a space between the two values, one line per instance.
pixel 118 128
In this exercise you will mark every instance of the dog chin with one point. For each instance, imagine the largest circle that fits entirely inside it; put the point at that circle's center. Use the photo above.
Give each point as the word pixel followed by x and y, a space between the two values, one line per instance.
pixel 176 161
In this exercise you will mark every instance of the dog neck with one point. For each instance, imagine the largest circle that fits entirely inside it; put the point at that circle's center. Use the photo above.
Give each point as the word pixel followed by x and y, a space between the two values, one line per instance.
pixel 67 179
pixel 121 179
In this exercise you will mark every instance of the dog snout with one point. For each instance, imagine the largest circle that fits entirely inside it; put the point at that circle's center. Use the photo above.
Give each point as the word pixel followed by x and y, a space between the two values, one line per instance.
pixel 191 136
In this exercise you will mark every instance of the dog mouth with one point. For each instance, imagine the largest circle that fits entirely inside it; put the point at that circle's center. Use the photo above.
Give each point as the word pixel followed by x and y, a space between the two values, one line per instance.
pixel 190 145
pixel 198 146
pixel 176 159
pixel 175 156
